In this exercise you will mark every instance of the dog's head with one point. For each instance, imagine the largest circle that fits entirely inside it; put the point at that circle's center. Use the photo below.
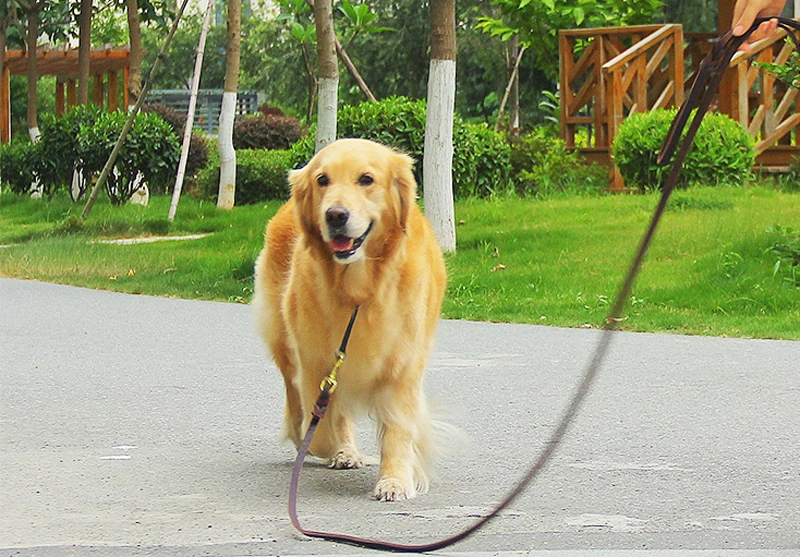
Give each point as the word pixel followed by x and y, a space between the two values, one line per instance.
pixel 353 193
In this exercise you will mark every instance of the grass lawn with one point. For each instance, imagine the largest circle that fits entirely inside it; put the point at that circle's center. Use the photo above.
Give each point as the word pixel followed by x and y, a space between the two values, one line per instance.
pixel 553 262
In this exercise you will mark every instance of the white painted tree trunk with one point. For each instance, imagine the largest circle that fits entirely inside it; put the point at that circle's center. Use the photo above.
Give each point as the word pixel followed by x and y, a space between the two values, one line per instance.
pixel 227 154
pixel 227 114
pixel 326 111
pixel 328 92
pixel 36 186
pixel 437 170
pixel 187 132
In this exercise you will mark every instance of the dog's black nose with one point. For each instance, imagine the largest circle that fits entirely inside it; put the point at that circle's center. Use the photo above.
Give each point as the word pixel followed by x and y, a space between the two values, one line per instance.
pixel 336 217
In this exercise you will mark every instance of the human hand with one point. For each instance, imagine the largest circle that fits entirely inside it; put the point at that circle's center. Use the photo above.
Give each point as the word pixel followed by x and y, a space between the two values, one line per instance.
pixel 746 11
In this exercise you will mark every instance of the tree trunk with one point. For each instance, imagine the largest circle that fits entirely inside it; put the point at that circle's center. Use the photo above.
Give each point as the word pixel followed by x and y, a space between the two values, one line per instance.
pixel 33 32
pixel 311 83
pixel 137 54
pixel 511 81
pixel 328 74
pixel 4 118
pixel 227 154
pixel 437 171
pixel 6 16
pixel 348 63
pixel 513 117
pixel 84 50
pixel 187 132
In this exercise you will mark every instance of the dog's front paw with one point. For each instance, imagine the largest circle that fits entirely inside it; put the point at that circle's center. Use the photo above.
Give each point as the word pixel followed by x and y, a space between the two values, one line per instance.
pixel 346 460
pixel 392 489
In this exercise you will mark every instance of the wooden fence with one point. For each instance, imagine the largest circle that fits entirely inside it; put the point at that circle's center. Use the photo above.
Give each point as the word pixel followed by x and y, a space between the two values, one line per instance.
pixel 610 73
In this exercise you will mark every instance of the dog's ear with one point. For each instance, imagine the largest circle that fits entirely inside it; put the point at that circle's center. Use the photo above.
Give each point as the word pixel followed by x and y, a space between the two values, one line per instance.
pixel 405 185
pixel 303 198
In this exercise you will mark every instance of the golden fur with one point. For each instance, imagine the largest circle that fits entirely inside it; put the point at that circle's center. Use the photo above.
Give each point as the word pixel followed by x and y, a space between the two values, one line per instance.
pixel 311 273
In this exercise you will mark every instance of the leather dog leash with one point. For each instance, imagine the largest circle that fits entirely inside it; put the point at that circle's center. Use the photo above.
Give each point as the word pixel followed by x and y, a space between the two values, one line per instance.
pixel 679 139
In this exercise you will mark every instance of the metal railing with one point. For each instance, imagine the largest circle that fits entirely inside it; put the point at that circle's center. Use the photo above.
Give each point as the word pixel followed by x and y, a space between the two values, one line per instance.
pixel 209 101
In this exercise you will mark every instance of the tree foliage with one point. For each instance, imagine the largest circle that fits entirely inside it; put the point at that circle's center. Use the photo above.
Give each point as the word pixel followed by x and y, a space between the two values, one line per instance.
pixel 536 22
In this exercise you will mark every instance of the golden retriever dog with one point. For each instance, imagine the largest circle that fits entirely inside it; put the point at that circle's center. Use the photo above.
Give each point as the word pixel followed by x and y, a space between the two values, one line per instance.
pixel 352 234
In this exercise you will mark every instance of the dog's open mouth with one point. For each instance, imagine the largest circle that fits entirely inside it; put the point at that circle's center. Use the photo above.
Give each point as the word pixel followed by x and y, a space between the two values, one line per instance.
pixel 345 247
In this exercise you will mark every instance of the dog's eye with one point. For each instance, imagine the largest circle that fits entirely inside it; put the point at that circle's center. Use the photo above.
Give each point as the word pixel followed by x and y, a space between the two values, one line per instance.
pixel 323 180
pixel 365 180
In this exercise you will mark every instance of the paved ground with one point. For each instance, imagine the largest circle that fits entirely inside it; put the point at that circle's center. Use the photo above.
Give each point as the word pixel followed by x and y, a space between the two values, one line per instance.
pixel 141 426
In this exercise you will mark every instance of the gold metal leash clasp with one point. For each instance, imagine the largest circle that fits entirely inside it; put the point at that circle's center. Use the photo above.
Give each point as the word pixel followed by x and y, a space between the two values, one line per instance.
pixel 329 382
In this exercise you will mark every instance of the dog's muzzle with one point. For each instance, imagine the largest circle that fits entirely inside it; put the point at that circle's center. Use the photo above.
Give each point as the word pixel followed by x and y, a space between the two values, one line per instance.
pixel 343 245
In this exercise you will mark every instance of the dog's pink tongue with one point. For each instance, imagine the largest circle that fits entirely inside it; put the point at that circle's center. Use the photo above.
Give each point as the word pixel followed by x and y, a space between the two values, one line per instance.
pixel 341 243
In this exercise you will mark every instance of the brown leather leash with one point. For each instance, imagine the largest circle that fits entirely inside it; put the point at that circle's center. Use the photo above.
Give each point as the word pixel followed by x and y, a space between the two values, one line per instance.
pixel 680 139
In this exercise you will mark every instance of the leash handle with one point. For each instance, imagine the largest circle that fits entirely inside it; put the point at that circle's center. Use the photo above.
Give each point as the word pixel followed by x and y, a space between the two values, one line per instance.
pixel 702 93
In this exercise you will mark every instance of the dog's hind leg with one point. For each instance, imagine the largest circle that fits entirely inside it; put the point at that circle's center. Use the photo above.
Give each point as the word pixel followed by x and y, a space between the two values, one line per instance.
pixel 293 410
pixel 271 327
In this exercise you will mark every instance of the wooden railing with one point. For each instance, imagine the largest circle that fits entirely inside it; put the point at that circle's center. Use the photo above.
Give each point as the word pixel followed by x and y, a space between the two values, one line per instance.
pixel 608 74
pixel 764 106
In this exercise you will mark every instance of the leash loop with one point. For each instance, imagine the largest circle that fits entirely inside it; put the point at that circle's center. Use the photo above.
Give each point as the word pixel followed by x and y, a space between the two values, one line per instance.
pixel 676 147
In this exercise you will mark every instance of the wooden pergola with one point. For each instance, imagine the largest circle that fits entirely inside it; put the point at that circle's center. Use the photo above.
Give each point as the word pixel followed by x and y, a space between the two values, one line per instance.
pixel 105 67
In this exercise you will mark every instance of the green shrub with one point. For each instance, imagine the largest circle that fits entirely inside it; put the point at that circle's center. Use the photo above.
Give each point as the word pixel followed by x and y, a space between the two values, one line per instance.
pixel 17 163
pixel 481 161
pixel 197 157
pixel 59 148
pixel 150 151
pixel 542 165
pixel 722 153
pixel 481 156
pixel 267 132
pixel 260 175
pixel 397 122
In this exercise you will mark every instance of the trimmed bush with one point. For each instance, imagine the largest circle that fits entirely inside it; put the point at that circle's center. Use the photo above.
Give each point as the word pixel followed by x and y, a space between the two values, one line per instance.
pixel 150 150
pixel 481 157
pixel 542 166
pixel 17 163
pixel 267 132
pixel 60 151
pixel 481 161
pixel 722 153
pixel 198 147
pixel 260 175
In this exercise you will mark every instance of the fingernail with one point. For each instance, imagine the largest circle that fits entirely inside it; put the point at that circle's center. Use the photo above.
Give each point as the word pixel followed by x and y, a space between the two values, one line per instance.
pixel 738 30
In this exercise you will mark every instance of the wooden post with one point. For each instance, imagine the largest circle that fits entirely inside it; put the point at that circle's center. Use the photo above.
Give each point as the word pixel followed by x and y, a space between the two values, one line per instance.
pixel 72 89
pixel 5 106
pixel 727 87
pixel 98 90
pixel 615 107
pixel 126 76
pixel 678 65
pixel 768 93
pixel 640 86
pixel 601 131
pixel 565 69
pixel 113 91
pixel 59 97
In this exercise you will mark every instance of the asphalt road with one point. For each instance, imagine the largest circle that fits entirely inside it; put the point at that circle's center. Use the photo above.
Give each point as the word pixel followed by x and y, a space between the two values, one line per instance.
pixel 132 425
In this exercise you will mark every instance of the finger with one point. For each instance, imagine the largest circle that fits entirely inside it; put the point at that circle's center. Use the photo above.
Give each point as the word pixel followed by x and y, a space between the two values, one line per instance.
pixel 766 29
pixel 745 19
